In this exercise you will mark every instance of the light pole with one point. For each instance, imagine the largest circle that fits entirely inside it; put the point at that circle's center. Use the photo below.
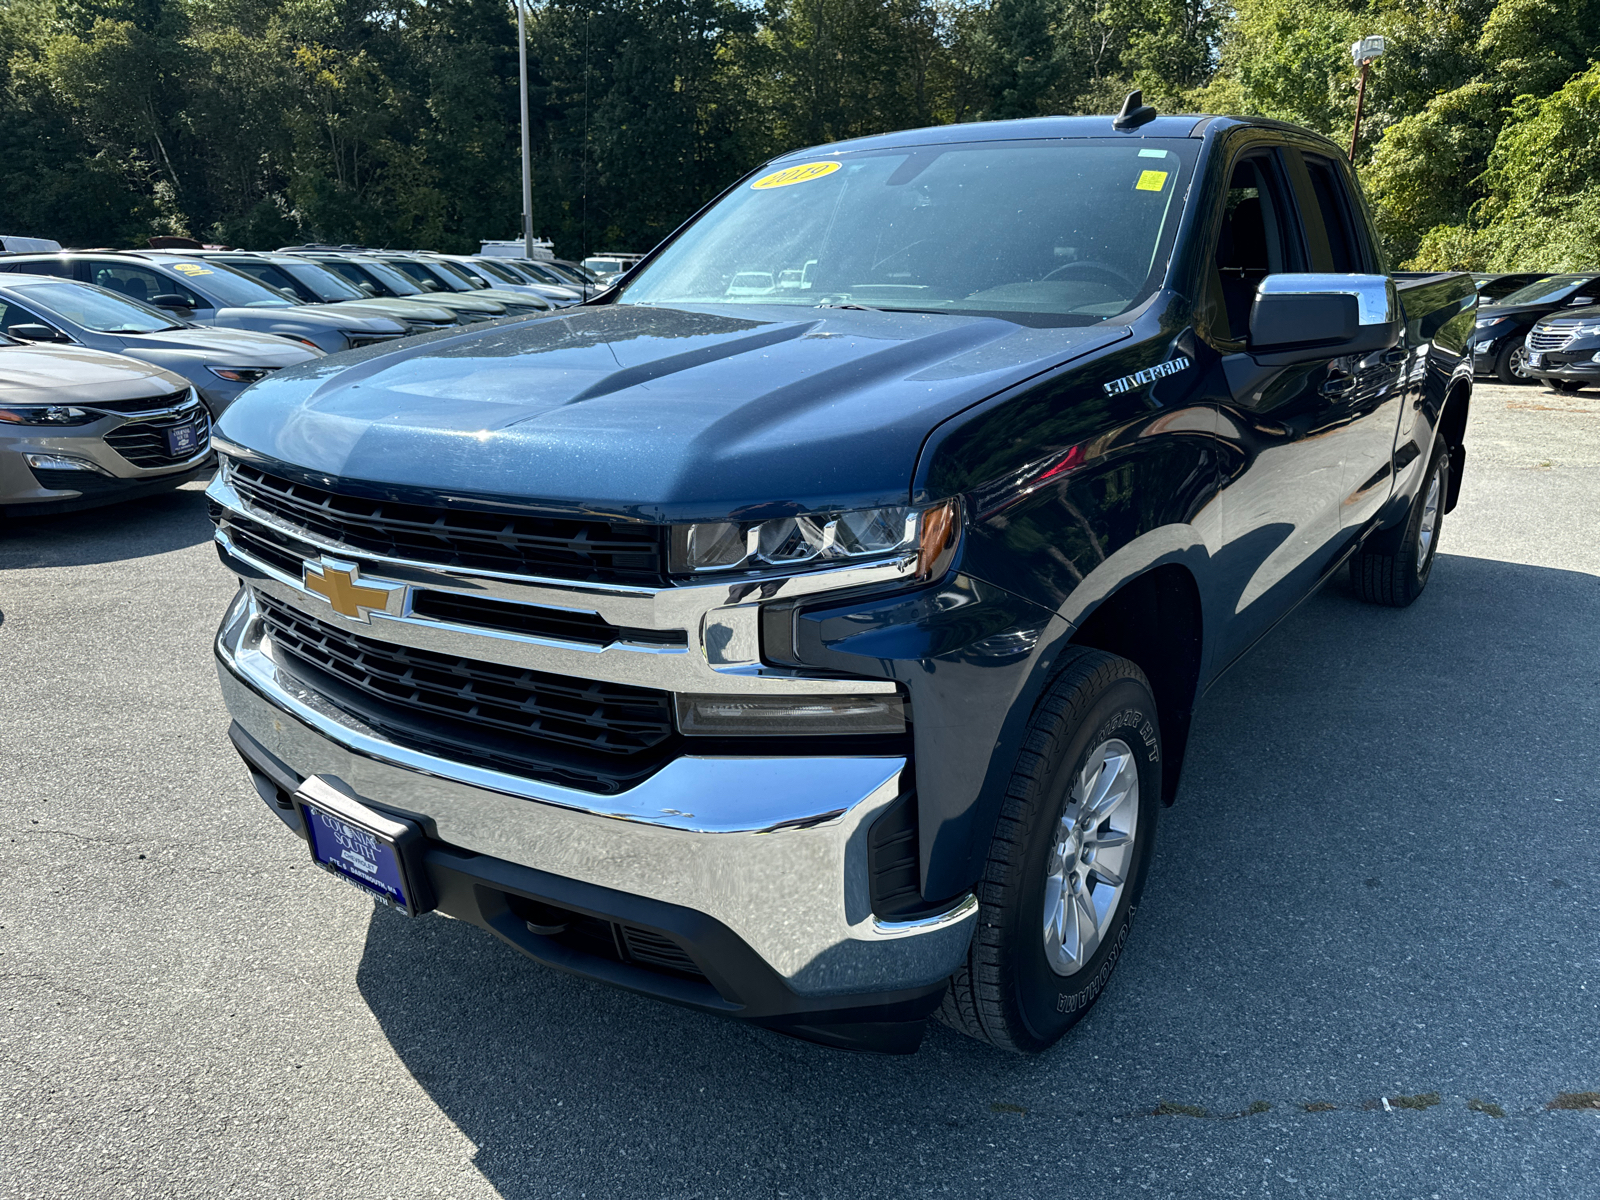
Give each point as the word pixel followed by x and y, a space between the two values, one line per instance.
pixel 522 112
pixel 1364 51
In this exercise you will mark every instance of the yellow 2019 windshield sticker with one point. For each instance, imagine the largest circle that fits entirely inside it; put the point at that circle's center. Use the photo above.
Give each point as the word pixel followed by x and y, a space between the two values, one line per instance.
pixel 804 173
pixel 1151 181
pixel 192 269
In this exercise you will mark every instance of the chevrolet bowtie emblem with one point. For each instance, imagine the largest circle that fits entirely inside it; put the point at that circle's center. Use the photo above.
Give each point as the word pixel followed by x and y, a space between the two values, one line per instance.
pixel 336 583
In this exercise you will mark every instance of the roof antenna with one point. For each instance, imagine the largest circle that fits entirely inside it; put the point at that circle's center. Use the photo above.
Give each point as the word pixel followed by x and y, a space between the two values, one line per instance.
pixel 1135 112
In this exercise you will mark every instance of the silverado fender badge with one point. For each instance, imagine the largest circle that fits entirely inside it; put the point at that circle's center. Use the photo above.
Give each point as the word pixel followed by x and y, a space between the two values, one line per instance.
pixel 1149 375
pixel 336 582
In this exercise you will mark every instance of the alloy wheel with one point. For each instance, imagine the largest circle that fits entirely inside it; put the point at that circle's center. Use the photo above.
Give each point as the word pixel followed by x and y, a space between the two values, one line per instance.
pixel 1430 520
pixel 1092 856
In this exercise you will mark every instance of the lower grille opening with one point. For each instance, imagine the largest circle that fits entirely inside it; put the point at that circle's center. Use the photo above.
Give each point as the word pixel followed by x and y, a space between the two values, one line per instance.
pixel 610 940
pixel 599 737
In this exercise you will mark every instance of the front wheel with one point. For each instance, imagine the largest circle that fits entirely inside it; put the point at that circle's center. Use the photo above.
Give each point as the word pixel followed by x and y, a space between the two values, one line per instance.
pixel 1392 568
pixel 1566 387
pixel 1068 859
pixel 1512 364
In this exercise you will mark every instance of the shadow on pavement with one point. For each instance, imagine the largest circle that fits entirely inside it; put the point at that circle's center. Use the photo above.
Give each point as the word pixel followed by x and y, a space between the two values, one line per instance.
pixel 132 529
pixel 1379 878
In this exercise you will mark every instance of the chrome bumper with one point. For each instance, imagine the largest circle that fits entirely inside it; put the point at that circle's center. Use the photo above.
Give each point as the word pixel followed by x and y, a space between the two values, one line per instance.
pixel 773 848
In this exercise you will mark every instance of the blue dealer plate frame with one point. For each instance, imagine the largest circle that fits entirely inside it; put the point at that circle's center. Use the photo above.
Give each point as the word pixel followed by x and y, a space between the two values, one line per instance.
pixel 372 851
pixel 183 441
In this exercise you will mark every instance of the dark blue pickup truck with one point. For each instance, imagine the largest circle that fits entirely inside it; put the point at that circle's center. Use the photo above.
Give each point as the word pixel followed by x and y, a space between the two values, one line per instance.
pixel 808 628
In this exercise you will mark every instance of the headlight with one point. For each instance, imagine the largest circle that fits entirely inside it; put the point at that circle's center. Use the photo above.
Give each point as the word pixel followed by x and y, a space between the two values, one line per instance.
pixel 239 374
pixel 1488 321
pixel 821 539
pixel 1586 330
pixel 49 414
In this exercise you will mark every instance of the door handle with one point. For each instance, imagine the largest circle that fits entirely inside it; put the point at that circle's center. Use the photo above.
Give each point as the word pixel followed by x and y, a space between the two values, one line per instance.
pixel 1394 357
pixel 1338 387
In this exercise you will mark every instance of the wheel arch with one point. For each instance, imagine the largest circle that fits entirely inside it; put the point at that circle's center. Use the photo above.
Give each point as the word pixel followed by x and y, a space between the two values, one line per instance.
pixel 1145 603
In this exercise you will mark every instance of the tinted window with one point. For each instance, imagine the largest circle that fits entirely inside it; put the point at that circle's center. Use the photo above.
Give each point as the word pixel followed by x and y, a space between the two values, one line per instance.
pixel 91 308
pixel 272 276
pixel 45 266
pixel 419 276
pixel 1260 236
pixel 1337 217
pixel 1076 230
pixel 225 286
pixel 1548 291
pixel 141 283
pixel 321 282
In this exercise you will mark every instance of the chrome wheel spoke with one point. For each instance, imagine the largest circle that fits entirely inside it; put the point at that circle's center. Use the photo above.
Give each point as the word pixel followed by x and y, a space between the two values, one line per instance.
pixel 1091 857
pixel 1106 873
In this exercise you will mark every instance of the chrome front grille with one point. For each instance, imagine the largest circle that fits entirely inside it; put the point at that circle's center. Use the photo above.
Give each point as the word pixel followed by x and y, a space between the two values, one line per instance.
pixel 144 443
pixel 482 539
pixel 1544 339
pixel 589 734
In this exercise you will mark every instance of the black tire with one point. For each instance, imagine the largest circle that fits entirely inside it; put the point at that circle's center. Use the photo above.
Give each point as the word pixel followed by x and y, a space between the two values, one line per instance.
pixel 1511 365
pixel 1566 386
pixel 1392 568
pixel 1008 993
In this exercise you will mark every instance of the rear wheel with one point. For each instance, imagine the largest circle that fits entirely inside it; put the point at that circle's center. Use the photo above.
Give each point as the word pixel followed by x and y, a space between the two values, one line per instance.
pixel 1068 859
pixel 1393 567
pixel 1512 364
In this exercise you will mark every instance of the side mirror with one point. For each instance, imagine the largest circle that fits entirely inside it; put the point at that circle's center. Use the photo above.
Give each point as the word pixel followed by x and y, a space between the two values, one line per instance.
pixel 170 300
pixel 1300 318
pixel 37 333
pixel 367 289
pixel 1580 301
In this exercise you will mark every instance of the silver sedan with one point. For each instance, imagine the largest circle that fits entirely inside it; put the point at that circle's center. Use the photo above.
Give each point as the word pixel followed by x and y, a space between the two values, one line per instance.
pixel 220 363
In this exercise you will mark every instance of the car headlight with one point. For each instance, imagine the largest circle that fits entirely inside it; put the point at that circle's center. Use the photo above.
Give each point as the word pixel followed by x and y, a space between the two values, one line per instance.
pixel 48 414
pixel 816 539
pixel 1488 321
pixel 239 374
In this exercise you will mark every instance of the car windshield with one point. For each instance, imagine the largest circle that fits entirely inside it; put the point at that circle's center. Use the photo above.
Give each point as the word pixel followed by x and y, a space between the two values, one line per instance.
pixel 95 308
pixel 224 286
pixel 457 271
pixel 383 273
pixel 502 273
pixel 1060 232
pixel 1547 291
pixel 609 265
pixel 419 275
pixel 321 282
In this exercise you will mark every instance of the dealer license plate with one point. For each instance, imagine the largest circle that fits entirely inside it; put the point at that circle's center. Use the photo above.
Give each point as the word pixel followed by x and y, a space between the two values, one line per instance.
pixel 365 848
pixel 184 440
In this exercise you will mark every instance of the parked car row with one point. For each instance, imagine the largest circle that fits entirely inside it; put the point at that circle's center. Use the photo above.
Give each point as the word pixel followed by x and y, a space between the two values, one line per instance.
pixel 1546 329
pixel 113 364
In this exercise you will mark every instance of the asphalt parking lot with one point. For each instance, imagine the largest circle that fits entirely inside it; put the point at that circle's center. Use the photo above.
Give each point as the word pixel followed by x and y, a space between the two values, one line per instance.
pixel 1380 881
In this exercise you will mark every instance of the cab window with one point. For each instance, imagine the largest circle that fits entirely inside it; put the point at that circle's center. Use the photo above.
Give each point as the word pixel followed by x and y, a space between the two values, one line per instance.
pixel 1338 217
pixel 1260 235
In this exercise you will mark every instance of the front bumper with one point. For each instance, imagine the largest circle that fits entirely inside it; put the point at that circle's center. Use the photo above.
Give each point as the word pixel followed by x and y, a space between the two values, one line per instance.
pixel 756 867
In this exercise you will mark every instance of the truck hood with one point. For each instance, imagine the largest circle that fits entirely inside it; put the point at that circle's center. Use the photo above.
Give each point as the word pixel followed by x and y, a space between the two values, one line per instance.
pixel 657 413
pixel 62 374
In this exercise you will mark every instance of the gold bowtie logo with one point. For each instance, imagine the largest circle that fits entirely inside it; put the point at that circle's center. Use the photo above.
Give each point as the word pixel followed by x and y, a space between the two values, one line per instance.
pixel 337 585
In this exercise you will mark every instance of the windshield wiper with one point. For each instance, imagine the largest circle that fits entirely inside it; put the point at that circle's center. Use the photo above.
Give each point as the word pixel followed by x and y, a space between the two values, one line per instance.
pixel 860 307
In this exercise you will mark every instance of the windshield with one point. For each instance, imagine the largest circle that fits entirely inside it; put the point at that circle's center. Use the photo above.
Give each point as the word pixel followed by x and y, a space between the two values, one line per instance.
pixel 322 283
pixel 95 308
pixel 421 276
pixel 1074 231
pixel 225 286
pixel 457 271
pixel 1547 291
pixel 379 273
pixel 503 273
